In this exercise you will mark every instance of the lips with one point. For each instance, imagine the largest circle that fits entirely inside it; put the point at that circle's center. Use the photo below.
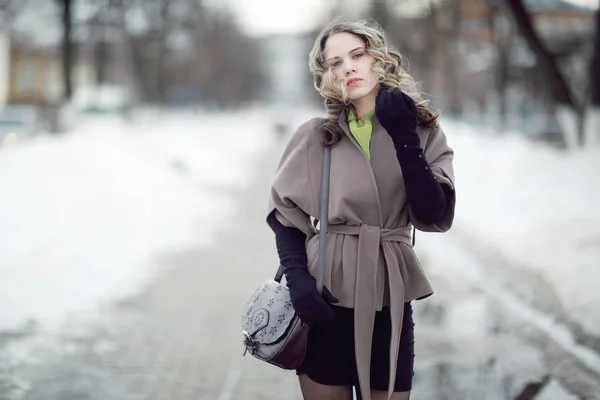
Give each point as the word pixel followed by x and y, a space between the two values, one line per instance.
pixel 353 81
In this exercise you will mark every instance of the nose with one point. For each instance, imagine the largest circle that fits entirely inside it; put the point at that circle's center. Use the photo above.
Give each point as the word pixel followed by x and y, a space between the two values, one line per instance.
pixel 350 69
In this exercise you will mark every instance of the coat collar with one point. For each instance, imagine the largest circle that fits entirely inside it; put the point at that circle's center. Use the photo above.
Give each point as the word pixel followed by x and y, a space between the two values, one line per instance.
pixel 343 123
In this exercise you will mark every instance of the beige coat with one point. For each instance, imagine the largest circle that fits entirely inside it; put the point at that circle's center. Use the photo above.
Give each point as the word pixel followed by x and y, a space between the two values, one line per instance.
pixel 370 260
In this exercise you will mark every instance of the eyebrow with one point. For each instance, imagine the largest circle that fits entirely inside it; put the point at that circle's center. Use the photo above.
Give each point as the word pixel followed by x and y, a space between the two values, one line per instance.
pixel 351 51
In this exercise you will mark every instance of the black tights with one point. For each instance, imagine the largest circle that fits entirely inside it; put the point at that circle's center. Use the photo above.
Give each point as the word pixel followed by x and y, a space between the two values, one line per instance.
pixel 312 390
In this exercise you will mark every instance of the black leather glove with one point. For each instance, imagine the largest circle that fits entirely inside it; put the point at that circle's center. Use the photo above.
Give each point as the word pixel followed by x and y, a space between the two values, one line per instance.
pixel 397 113
pixel 311 307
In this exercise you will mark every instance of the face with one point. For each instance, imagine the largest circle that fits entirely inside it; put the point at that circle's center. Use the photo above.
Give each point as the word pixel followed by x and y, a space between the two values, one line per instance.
pixel 352 66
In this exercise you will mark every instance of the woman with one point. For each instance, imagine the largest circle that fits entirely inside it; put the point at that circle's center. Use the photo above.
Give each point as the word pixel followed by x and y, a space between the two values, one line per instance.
pixel 391 169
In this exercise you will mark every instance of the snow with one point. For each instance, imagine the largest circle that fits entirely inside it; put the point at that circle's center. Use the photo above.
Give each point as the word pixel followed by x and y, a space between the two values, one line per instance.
pixel 452 259
pixel 537 206
pixel 592 127
pixel 555 392
pixel 82 215
pixel 568 120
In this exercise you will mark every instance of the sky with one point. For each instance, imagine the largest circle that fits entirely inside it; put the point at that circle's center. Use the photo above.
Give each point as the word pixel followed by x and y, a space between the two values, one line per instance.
pixel 264 17
pixel 588 3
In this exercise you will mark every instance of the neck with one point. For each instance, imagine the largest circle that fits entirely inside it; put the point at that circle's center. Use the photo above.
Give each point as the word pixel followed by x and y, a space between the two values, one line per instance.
pixel 365 104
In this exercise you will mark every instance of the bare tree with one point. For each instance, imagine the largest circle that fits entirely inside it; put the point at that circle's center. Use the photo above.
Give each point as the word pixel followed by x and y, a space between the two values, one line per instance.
pixel 100 24
pixel 449 19
pixel 379 11
pixel 595 65
pixel 67 47
pixel 547 61
pixel 193 53
pixel 502 46
pixel 153 56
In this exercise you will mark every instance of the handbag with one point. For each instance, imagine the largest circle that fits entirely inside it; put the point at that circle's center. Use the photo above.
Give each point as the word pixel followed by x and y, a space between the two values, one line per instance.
pixel 272 331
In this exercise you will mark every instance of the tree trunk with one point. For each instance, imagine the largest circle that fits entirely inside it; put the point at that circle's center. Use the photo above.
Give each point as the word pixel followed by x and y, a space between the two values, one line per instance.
pixel 379 12
pixel 548 63
pixel 452 55
pixel 593 114
pixel 502 66
pixel 101 61
pixel 162 54
pixel 67 49
pixel 595 66
pixel 100 46
pixel 129 57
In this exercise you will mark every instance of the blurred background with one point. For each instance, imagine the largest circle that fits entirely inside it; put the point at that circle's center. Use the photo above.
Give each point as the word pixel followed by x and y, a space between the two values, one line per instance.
pixel 137 143
pixel 523 65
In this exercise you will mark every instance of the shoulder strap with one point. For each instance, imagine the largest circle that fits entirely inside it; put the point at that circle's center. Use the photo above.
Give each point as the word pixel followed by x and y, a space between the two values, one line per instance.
pixel 322 220
pixel 324 215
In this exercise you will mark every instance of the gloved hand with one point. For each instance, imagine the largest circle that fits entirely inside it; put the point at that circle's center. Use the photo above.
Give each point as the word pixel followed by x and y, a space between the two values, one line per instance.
pixel 397 113
pixel 312 307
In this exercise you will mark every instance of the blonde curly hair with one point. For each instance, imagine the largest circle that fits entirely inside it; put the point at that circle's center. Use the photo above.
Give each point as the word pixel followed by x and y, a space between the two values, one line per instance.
pixel 389 67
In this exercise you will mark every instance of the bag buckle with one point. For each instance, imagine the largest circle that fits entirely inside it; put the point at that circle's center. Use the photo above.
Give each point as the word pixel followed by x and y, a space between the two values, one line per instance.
pixel 249 343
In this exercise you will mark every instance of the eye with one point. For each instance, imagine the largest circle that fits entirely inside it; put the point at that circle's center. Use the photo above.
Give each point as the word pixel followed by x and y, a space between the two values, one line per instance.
pixel 358 55
pixel 335 64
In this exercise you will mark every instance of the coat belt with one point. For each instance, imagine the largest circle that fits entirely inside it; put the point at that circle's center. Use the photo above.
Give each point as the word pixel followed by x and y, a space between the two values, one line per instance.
pixel 370 239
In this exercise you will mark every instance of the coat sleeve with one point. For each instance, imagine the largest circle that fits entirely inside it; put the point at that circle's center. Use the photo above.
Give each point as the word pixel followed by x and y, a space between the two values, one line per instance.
pixel 291 194
pixel 440 158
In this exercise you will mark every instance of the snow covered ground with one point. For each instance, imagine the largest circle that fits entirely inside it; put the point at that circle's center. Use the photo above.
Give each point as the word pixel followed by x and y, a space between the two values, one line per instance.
pixel 537 207
pixel 82 215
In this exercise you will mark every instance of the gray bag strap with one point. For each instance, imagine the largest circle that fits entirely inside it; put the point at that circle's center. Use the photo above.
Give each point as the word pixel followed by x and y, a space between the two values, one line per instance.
pixel 322 220
pixel 325 180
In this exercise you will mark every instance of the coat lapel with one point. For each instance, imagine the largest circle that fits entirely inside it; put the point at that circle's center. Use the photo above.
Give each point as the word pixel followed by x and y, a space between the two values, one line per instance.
pixel 367 164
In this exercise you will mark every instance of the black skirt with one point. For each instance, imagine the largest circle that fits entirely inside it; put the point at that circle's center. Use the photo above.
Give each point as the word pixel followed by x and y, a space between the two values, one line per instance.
pixel 330 357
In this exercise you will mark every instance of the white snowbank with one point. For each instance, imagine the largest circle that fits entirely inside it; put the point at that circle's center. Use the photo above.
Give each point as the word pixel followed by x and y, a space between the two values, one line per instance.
pixel 538 206
pixel 82 215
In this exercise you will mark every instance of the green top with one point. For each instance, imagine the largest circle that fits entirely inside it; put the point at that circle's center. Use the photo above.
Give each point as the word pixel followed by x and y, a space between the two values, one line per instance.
pixel 362 130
